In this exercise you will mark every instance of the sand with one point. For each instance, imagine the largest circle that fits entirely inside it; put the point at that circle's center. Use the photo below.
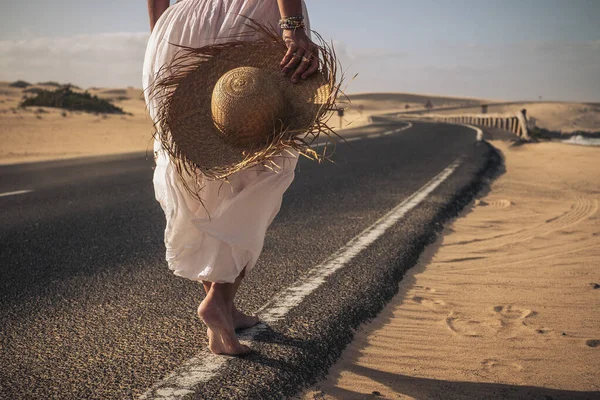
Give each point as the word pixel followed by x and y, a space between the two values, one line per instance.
pixel 45 133
pixel 504 304
pixel 565 117
pixel 359 107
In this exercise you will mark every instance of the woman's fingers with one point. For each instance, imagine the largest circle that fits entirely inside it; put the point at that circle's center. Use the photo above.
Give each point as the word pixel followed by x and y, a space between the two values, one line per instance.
pixel 292 47
pixel 301 58
pixel 293 63
pixel 314 66
pixel 305 63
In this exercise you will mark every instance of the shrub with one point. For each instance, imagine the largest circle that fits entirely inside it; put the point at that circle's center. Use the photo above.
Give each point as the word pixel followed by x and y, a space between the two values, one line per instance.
pixel 65 98
pixel 50 83
pixel 33 90
pixel 20 84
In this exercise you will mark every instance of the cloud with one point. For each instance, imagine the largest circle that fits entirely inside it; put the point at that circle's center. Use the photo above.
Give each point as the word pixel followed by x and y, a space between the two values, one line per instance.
pixel 524 70
pixel 113 59
pixel 511 71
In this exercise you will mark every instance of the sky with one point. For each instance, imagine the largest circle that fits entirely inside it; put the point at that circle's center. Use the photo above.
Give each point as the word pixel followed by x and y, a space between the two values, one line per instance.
pixel 502 50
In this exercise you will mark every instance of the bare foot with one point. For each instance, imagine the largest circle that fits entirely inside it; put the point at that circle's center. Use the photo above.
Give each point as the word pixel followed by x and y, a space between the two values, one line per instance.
pixel 243 321
pixel 221 334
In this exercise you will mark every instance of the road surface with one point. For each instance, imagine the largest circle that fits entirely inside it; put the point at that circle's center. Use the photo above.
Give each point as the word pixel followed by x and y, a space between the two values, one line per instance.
pixel 89 309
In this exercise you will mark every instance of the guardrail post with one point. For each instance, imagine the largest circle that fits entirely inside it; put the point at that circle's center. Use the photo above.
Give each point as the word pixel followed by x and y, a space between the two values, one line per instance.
pixel 522 118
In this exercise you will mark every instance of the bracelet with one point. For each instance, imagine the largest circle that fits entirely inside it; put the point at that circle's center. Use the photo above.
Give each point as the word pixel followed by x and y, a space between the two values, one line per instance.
pixel 286 26
pixel 293 22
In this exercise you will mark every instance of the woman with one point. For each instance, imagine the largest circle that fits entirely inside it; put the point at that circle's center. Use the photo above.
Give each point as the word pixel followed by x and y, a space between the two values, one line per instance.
pixel 219 241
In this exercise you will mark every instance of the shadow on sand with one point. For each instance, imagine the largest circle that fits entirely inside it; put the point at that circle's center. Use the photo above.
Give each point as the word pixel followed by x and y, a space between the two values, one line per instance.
pixel 425 388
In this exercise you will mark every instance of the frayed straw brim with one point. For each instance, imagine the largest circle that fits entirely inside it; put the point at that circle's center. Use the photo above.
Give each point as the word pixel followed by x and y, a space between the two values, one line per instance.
pixel 183 91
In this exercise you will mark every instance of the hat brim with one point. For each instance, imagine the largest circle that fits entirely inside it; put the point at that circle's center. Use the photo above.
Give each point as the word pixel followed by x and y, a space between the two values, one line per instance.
pixel 186 127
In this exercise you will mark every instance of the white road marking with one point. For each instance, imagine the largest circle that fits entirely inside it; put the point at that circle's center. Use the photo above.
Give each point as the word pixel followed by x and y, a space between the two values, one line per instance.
pixel 375 135
pixel 15 193
pixel 203 367
pixel 352 139
pixel 409 125
pixel 476 129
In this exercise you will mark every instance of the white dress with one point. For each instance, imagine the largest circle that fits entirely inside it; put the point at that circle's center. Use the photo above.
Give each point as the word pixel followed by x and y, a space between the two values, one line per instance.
pixel 218 248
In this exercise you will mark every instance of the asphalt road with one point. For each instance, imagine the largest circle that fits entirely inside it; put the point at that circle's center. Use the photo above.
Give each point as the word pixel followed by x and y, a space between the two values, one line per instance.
pixel 89 309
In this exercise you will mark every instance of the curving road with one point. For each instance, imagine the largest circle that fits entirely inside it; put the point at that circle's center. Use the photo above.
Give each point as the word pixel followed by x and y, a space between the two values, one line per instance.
pixel 88 308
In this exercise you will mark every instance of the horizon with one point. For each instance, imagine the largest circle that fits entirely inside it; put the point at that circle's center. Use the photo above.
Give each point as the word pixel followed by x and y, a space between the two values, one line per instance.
pixel 517 52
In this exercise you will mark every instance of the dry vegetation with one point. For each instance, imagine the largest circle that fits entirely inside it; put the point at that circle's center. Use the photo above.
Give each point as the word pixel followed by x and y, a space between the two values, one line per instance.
pixel 45 133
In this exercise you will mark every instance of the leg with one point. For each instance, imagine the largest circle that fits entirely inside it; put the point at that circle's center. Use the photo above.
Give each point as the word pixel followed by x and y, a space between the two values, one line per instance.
pixel 241 320
pixel 216 312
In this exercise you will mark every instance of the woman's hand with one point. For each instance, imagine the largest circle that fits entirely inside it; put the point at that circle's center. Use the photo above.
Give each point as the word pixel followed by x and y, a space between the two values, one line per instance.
pixel 302 57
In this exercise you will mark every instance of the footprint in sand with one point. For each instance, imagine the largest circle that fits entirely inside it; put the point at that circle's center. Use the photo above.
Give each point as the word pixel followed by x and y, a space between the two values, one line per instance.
pixel 511 312
pixel 463 326
pixel 493 363
pixel 592 343
pixel 433 305
pixel 426 288
pixel 514 320
pixel 500 203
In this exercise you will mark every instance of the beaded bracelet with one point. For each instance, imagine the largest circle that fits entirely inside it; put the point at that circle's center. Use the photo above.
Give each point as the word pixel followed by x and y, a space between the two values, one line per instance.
pixel 286 26
pixel 293 22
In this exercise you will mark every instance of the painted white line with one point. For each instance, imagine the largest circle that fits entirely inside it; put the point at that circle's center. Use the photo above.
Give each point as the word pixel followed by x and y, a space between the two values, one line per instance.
pixel 319 144
pixel 476 129
pixel 373 136
pixel 206 365
pixel 409 125
pixel 352 139
pixel 15 193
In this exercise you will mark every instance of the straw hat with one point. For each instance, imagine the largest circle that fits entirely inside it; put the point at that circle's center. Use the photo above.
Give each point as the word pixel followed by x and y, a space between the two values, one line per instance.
pixel 225 107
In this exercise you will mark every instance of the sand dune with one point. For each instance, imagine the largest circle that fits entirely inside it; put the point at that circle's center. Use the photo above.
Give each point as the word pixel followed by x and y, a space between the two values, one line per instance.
pixel 504 304
pixel 42 133
pixel 565 117
pixel 359 106
pixel 555 116
pixel 45 133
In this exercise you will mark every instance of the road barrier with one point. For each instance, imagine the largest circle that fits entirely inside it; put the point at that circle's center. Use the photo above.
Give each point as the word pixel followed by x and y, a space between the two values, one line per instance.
pixel 512 122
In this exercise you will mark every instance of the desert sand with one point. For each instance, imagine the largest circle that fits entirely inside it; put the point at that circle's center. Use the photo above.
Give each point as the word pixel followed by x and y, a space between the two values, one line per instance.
pixel 504 305
pixel 359 107
pixel 44 133
pixel 566 117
